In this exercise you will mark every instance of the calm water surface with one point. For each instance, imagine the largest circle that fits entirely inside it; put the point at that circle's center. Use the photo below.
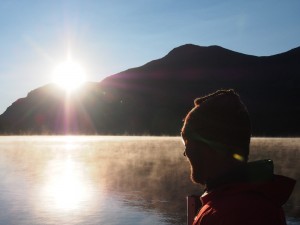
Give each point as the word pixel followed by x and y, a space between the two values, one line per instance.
pixel 112 180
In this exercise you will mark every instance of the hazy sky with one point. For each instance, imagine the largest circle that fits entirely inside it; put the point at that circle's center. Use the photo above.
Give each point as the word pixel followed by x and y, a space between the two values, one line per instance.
pixel 110 36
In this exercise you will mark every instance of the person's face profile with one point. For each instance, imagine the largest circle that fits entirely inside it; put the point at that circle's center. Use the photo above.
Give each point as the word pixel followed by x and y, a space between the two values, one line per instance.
pixel 191 147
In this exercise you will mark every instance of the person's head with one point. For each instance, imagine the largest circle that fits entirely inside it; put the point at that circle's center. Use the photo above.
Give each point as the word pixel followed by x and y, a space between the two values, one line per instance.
pixel 216 134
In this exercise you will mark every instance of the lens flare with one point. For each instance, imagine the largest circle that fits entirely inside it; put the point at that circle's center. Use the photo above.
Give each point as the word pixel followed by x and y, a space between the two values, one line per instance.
pixel 238 157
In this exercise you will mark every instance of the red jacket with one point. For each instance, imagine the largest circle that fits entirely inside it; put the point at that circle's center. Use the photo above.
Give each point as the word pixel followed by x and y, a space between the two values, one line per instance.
pixel 246 203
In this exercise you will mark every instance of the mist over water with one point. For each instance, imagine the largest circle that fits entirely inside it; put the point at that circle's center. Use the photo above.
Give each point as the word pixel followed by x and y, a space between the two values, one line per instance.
pixel 112 180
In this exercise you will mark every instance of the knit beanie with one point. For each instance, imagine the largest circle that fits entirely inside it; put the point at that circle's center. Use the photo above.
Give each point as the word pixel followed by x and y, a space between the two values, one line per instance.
pixel 220 120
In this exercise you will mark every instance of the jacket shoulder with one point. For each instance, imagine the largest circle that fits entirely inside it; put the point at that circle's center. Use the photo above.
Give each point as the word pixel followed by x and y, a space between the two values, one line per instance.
pixel 247 207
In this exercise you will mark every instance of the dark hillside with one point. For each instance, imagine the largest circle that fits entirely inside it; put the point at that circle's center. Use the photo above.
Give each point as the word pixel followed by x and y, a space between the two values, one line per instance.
pixel 154 98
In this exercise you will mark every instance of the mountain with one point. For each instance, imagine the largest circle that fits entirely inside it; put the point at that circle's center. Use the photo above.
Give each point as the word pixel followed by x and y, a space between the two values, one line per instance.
pixel 154 98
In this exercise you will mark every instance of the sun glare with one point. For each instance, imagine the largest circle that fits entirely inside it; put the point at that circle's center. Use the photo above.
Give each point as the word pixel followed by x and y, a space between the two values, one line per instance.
pixel 69 75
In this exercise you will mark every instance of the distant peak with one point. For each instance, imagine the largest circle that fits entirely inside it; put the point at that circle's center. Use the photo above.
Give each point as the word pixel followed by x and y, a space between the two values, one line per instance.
pixel 188 46
pixel 185 49
pixel 189 49
pixel 192 46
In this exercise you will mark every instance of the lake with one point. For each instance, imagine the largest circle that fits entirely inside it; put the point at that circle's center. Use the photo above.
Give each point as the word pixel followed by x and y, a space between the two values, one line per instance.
pixel 113 180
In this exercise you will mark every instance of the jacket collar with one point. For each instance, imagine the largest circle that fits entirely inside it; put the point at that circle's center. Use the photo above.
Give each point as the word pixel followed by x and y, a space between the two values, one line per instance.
pixel 252 172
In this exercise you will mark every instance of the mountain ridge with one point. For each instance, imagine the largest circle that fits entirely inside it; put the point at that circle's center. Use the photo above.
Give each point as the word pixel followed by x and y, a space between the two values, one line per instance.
pixel 153 98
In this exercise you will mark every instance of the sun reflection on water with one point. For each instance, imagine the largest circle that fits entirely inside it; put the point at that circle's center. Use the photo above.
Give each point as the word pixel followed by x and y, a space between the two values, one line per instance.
pixel 66 188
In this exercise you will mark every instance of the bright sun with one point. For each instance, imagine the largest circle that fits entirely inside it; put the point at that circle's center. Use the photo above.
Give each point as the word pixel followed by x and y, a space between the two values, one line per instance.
pixel 69 75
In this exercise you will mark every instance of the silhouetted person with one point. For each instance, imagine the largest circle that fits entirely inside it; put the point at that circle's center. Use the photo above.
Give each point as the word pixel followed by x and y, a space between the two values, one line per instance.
pixel 216 134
